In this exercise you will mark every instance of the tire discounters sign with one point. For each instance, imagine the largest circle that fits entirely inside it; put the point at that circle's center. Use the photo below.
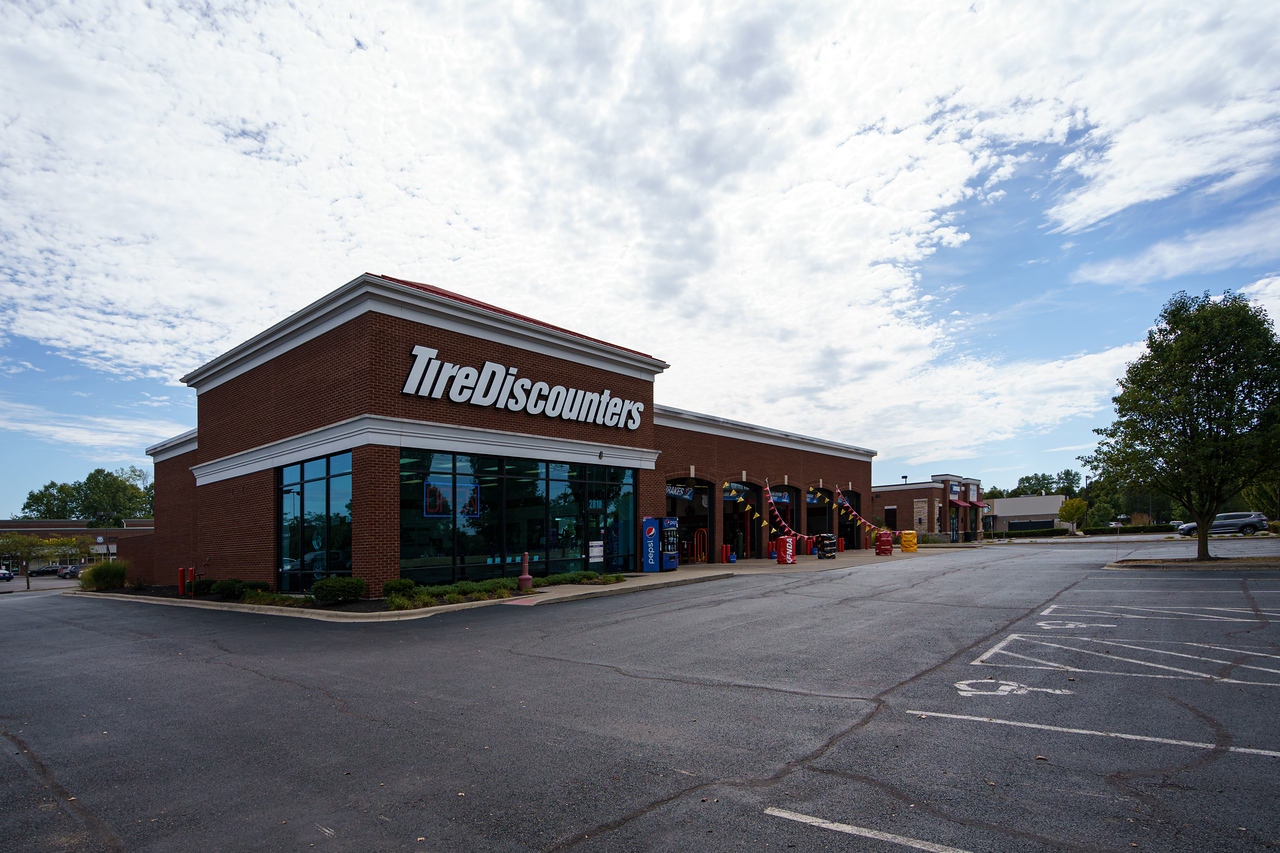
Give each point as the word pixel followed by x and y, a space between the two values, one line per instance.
pixel 499 386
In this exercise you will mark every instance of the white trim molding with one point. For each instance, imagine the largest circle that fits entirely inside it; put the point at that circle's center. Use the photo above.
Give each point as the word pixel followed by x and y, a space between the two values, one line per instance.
pixel 712 425
pixel 422 435
pixel 172 447
pixel 373 293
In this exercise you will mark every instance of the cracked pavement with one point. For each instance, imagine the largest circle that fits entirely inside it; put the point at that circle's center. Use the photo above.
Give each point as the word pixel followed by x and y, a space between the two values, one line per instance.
pixel 670 719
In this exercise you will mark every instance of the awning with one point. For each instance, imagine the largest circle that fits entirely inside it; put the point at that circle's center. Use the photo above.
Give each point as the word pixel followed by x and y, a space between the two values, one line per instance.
pixel 978 503
pixel 954 502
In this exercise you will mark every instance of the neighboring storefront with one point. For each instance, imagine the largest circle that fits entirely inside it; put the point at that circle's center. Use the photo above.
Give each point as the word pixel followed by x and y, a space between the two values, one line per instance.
pixel 947 505
pixel 394 429
pixel 1028 512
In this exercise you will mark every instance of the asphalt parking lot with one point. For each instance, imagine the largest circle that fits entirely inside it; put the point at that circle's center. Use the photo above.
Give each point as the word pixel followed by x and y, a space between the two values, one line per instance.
pixel 1005 699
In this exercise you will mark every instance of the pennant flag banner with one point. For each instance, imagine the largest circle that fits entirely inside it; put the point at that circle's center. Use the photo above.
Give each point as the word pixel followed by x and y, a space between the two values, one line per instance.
pixel 768 495
pixel 843 503
pixel 738 498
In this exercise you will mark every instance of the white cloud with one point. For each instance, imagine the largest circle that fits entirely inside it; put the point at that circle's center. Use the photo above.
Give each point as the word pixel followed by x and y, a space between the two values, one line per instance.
pixel 110 438
pixel 1265 292
pixel 1249 242
pixel 698 181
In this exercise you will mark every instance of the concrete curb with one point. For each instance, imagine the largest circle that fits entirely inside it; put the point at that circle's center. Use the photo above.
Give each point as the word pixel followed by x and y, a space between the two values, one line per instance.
pixel 392 615
pixel 1171 566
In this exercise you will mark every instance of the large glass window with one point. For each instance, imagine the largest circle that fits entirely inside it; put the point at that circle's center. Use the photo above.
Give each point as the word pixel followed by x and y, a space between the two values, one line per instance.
pixel 474 517
pixel 314 521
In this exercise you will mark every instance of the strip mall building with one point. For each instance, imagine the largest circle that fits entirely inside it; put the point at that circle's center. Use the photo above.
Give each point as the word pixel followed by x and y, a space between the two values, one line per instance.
pixel 394 429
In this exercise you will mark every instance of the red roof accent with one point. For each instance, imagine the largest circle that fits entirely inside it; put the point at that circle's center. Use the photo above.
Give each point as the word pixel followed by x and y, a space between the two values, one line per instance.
pixel 476 303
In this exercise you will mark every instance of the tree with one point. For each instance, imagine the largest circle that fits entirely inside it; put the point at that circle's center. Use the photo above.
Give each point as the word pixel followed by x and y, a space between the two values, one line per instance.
pixel 56 500
pixel 1101 513
pixel 1073 511
pixel 1066 482
pixel 1034 484
pixel 1261 495
pixel 103 498
pixel 24 549
pixel 1198 413
pixel 994 493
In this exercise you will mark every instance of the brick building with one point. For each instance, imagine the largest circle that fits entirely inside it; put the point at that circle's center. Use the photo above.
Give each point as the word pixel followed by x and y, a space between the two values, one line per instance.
pixel 103 542
pixel 394 429
pixel 947 505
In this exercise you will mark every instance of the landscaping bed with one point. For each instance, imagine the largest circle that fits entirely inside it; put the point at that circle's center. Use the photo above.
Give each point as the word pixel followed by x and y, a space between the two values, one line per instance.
pixel 347 594
pixel 1213 564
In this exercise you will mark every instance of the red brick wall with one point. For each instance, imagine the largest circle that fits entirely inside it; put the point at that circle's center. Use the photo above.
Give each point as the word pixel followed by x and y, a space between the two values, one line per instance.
pixel 360 368
pixel 137 551
pixel 177 518
pixel 237 536
pixel 375 510
pixel 719 459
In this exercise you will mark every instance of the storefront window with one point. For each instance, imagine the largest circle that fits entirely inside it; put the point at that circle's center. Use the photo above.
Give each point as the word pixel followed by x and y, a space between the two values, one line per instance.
pixel 474 517
pixel 314 521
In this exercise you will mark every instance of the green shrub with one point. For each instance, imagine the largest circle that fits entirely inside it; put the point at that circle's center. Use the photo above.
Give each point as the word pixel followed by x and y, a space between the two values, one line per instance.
pixel 230 588
pixel 139 585
pixel 454 598
pixel 255 586
pixel 108 574
pixel 1035 534
pixel 402 587
pixel 275 599
pixel 204 586
pixel 338 590
pixel 399 602
pixel 1112 531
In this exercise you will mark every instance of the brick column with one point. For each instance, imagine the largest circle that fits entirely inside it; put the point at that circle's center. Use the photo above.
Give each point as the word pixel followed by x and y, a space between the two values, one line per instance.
pixel 375 514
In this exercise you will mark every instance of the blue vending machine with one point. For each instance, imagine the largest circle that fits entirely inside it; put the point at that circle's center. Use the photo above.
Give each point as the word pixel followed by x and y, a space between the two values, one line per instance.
pixel 660 549
pixel 670 544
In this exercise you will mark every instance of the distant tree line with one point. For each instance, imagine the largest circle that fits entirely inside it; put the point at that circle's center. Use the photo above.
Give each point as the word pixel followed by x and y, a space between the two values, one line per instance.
pixel 103 498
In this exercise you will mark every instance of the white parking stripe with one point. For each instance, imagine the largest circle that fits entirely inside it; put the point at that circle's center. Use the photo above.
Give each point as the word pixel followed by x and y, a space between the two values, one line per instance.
pixel 864 832
pixel 1241 749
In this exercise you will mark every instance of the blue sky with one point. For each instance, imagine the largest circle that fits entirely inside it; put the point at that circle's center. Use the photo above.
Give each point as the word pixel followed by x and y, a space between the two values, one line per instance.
pixel 939 230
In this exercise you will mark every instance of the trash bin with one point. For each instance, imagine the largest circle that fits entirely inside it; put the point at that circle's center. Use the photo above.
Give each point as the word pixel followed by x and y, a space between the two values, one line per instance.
pixel 884 543
pixel 786 550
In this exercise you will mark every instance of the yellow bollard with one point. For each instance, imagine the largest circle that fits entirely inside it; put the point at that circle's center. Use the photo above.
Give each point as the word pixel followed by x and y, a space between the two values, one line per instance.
pixel 908 545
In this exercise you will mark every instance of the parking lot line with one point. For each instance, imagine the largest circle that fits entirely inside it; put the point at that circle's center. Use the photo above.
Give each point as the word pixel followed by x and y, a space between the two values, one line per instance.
pixel 1149 739
pixel 1074 644
pixel 864 832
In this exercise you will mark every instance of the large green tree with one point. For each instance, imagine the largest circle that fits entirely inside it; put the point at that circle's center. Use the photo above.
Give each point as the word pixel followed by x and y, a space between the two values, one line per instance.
pixel 1199 412
pixel 103 498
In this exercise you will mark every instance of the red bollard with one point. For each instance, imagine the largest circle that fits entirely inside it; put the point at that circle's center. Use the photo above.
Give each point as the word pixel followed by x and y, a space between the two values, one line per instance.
pixel 182 589
pixel 525 581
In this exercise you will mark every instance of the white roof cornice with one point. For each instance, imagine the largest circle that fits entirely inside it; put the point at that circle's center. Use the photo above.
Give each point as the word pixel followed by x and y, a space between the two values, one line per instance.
pixel 430 307
pixel 712 425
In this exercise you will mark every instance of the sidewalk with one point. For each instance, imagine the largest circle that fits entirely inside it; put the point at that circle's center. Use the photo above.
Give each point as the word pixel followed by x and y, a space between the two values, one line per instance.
pixel 696 573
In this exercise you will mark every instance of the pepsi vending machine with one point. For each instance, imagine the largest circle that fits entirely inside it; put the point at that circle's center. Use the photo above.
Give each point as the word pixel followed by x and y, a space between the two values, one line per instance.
pixel 661 545
pixel 670 544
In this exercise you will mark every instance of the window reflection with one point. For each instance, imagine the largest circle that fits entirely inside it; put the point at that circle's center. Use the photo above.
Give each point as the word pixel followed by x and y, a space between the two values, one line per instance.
pixel 314 521
pixel 475 516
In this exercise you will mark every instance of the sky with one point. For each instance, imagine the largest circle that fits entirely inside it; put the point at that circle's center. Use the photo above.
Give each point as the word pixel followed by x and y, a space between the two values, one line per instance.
pixel 939 230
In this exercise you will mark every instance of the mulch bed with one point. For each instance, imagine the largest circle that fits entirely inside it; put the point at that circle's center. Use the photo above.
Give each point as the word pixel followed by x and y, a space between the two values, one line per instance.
pixel 368 605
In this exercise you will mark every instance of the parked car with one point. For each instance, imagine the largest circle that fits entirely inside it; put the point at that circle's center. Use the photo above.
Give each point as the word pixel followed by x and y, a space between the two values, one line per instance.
pixel 69 572
pixel 6 575
pixel 43 570
pixel 1247 523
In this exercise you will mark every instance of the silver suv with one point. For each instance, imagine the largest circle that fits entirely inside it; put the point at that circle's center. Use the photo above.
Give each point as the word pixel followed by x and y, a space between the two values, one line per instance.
pixel 1247 523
